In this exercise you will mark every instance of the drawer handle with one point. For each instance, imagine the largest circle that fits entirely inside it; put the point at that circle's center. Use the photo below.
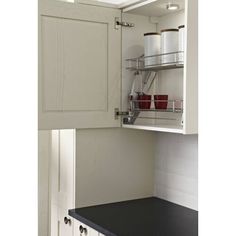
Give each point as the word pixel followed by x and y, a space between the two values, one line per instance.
pixel 83 230
pixel 67 220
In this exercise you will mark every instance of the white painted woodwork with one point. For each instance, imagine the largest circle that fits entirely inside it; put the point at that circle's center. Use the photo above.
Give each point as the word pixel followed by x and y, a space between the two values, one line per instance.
pixel 65 3
pixel 153 7
pixel 113 165
pixel 44 152
pixel 64 229
pixel 191 69
pixel 64 100
pixel 77 87
pixel 166 82
pixel 161 128
pixel 180 84
pixel 90 231
pixel 80 60
pixel 62 184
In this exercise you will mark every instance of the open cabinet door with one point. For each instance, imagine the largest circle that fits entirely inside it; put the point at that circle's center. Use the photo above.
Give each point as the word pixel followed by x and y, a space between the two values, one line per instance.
pixel 79 66
pixel 191 71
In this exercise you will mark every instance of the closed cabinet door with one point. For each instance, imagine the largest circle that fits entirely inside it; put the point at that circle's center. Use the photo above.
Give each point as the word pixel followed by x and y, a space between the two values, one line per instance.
pixel 81 229
pixel 79 66
pixel 65 223
pixel 62 181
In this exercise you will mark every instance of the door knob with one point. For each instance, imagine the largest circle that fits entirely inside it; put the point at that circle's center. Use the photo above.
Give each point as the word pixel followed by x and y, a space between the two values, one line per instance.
pixel 83 230
pixel 67 220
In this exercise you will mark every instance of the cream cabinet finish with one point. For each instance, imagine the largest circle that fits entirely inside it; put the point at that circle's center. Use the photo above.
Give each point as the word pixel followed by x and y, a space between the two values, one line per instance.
pixel 191 69
pixel 62 181
pixel 89 230
pixel 179 84
pixel 79 66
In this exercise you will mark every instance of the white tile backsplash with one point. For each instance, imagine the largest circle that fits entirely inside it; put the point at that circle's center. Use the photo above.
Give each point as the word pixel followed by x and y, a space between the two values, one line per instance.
pixel 176 169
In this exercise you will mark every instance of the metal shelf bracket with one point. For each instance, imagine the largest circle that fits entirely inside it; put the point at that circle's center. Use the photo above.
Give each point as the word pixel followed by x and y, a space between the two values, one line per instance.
pixel 118 113
pixel 122 23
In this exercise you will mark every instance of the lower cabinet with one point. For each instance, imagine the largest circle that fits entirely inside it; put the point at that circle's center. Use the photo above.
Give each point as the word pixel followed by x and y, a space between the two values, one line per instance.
pixel 81 229
pixel 65 223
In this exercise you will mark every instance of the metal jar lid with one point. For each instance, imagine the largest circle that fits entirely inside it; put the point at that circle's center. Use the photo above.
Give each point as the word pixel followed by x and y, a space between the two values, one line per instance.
pixel 181 26
pixel 168 30
pixel 151 33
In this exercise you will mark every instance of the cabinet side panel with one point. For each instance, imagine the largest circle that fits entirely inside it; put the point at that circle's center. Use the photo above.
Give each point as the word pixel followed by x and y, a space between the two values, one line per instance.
pixel 62 180
pixel 113 165
pixel 43 182
pixel 191 71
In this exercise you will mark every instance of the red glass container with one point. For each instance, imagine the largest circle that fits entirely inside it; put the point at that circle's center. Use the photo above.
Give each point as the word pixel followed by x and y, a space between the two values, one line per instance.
pixel 145 101
pixel 159 104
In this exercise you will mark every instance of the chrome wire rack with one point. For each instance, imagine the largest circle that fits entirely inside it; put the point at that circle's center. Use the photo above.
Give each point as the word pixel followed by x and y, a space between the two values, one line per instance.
pixel 138 105
pixel 157 62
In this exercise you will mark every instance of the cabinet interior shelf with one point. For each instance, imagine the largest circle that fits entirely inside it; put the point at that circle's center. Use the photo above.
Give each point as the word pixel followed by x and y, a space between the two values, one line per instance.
pixel 160 128
pixel 175 110
pixel 165 61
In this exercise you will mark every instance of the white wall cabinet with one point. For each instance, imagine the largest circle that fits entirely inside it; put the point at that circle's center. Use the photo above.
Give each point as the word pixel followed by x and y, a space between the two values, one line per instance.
pixel 180 84
pixel 82 73
pixel 82 80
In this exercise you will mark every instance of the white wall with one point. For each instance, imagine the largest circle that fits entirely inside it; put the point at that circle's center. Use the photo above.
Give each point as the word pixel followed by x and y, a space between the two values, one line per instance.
pixel 113 165
pixel 176 168
pixel 43 182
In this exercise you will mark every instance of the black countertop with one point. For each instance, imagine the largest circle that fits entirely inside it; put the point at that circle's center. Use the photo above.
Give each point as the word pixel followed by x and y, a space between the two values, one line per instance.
pixel 142 217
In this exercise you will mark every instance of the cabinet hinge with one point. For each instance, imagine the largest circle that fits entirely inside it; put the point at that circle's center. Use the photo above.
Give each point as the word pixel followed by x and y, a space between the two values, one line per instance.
pixel 122 23
pixel 118 113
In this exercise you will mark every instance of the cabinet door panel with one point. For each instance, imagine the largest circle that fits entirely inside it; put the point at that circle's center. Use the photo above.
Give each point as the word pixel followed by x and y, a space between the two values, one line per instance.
pixel 80 62
pixel 51 65
pixel 85 65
